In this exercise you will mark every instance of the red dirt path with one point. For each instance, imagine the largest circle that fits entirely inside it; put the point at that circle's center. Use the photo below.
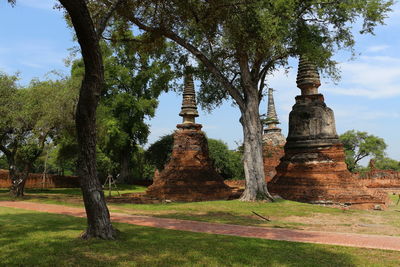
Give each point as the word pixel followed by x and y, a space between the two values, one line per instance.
pixel 330 238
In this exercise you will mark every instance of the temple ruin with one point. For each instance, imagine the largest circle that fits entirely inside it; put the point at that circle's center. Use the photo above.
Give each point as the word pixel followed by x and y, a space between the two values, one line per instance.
pixel 273 140
pixel 313 169
pixel 189 175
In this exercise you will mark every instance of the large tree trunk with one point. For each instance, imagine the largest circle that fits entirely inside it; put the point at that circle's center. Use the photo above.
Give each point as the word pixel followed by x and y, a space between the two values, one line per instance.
pixel 18 179
pixel 256 187
pixel 17 183
pixel 125 174
pixel 98 216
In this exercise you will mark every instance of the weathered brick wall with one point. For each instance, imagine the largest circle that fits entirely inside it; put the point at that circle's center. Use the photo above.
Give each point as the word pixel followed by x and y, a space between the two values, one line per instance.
pixel 382 179
pixel 319 175
pixel 35 180
pixel 190 174
pixel 271 157
pixel 235 183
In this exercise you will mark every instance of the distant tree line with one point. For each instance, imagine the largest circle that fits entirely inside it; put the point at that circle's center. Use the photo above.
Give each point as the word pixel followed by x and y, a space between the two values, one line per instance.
pixel 361 145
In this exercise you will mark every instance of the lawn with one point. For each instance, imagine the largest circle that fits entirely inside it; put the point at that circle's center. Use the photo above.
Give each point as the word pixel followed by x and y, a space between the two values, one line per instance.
pixel 40 239
pixel 282 213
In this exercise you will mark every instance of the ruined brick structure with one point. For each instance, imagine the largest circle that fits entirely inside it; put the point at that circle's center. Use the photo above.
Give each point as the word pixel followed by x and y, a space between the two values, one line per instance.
pixel 189 175
pixel 273 140
pixel 313 169
pixel 35 180
pixel 386 180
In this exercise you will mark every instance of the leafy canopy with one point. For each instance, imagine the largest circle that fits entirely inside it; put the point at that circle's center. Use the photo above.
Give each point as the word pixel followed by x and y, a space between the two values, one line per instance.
pixel 31 116
pixel 238 43
pixel 359 145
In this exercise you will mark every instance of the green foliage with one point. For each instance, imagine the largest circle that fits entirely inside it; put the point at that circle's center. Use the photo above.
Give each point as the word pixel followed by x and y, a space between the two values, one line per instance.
pixel 160 151
pixel 141 168
pixel 135 75
pixel 385 163
pixel 3 162
pixel 261 34
pixel 105 165
pixel 65 154
pixel 32 116
pixel 359 145
pixel 228 163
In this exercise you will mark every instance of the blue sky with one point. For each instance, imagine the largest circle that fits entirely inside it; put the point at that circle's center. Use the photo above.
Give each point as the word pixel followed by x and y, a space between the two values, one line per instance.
pixel 34 40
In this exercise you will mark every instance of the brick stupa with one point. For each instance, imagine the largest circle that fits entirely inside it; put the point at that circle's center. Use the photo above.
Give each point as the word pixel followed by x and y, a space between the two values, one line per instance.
pixel 190 174
pixel 313 169
pixel 273 140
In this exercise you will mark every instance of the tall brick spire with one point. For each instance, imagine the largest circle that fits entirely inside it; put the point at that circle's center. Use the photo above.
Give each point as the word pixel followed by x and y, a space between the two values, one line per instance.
pixel 189 107
pixel 272 118
pixel 308 77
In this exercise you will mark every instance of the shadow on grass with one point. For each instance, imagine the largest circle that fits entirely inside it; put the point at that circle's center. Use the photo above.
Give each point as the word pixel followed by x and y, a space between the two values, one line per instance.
pixel 41 239
pixel 217 217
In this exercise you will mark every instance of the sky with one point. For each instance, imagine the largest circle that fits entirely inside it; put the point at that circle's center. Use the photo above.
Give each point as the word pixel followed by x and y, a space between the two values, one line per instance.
pixel 35 40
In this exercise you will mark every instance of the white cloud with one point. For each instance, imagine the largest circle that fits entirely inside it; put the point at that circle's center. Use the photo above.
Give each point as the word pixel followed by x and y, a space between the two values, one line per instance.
pixel 364 113
pixel 377 48
pixel 31 64
pixel 371 77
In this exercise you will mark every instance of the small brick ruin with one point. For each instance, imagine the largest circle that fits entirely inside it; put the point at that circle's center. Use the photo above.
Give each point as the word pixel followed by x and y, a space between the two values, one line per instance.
pixel 386 180
pixel 190 174
pixel 35 180
pixel 313 169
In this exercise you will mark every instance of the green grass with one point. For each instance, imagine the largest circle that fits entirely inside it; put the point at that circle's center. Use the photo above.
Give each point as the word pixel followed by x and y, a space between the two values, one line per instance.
pixel 40 239
pixel 66 196
pixel 283 213
pixel 123 189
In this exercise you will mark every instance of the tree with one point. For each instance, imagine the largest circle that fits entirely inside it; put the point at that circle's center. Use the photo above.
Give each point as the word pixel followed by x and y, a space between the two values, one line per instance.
pixel 359 145
pixel 88 34
pixel 160 151
pixel 228 163
pixel 238 43
pixel 385 163
pixel 27 121
pixel 136 72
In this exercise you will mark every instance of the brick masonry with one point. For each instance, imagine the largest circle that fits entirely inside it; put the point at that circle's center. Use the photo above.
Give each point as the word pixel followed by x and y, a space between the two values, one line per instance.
pixel 35 180
pixel 190 174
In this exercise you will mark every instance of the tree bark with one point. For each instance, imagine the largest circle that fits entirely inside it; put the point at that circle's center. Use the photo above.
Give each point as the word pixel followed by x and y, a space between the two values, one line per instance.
pixel 256 187
pixel 125 174
pixel 98 216
pixel 17 182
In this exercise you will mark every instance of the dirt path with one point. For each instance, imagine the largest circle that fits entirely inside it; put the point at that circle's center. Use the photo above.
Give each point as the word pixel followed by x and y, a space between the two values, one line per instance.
pixel 343 239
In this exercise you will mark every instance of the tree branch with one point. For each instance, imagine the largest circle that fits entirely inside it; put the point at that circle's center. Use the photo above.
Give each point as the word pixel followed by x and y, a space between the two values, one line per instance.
pixel 102 24
pixel 233 91
pixel 359 157
pixel 247 81
pixel 262 84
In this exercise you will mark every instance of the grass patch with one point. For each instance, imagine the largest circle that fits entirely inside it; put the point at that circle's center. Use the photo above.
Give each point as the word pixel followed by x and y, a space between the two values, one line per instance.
pixel 40 239
pixel 283 213
pixel 65 196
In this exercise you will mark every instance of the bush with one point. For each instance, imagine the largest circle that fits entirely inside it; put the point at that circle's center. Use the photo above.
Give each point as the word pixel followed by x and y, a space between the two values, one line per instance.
pixel 228 163
pixel 160 151
pixel 387 164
